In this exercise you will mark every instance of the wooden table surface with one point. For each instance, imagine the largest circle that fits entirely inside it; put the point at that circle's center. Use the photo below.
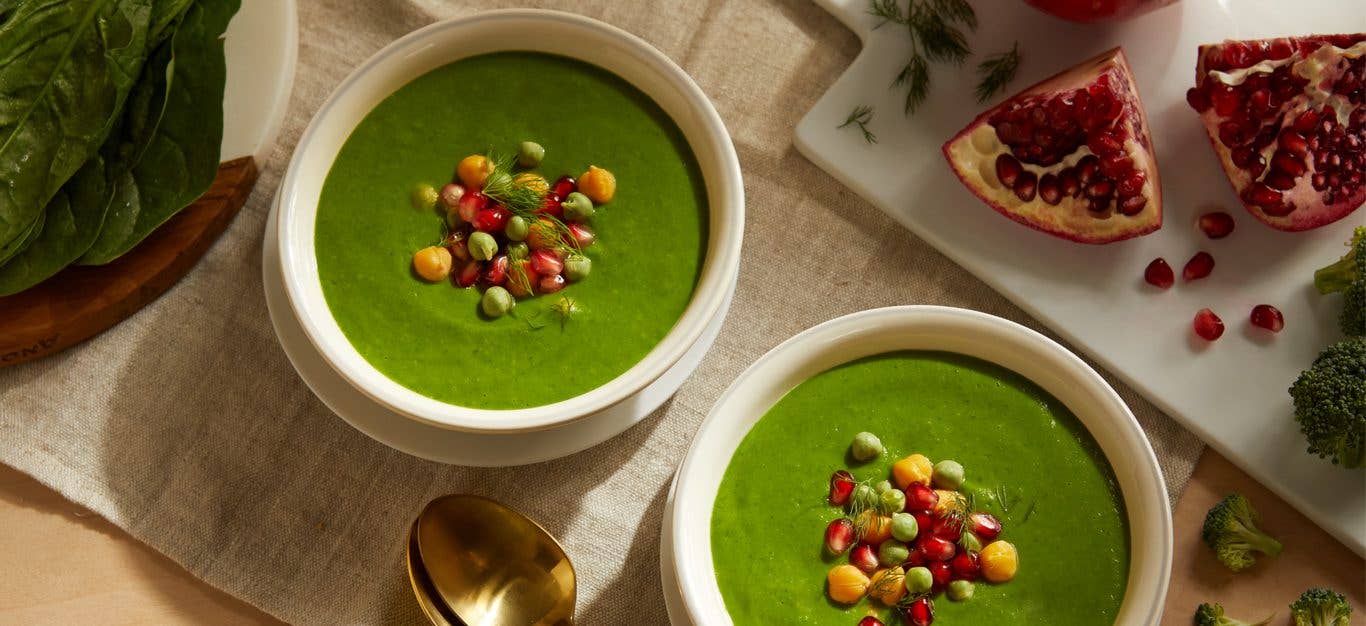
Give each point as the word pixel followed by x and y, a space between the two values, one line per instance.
pixel 65 565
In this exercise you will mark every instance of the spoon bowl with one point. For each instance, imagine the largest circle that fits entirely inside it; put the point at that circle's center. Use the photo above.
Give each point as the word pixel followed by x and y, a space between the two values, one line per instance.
pixel 474 561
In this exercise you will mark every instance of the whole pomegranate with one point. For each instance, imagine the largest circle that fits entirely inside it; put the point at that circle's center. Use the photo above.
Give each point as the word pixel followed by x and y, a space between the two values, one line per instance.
pixel 1070 156
pixel 1286 118
pixel 1097 10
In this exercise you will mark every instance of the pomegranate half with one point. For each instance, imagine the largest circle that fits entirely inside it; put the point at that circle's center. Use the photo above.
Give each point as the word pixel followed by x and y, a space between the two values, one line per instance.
pixel 1286 118
pixel 1070 156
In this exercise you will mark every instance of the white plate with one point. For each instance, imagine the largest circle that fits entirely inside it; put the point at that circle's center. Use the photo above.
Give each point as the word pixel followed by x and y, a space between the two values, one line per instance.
pixel 262 47
pixel 1231 393
pixel 960 331
pixel 451 446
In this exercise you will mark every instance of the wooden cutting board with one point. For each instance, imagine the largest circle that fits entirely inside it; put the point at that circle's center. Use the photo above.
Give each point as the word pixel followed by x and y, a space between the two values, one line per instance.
pixel 83 301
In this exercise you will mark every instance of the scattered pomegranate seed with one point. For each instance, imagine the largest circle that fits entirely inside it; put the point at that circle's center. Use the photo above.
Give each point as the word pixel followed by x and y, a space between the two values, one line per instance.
pixel 1268 317
pixel 919 613
pixel 921 498
pixel 550 284
pixel 1208 325
pixel 564 186
pixel 937 548
pixel 947 528
pixel 1159 274
pixel 916 559
pixel 471 204
pixel 583 235
pixel 870 621
pixel 546 262
pixel 455 243
pixel 1198 267
pixel 943 574
pixel 551 205
pixel 491 220
pixel 841 487
pixel 966 566
pixel 985 526
pixel 496 272
pixel 839 535
pixel 1216 225
pixel 923 519
pixel 451 195
pixel 468 274
pixel 517 287
pixel 864 557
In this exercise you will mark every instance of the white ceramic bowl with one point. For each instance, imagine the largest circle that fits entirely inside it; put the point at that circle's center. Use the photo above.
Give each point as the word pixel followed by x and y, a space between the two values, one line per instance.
pixel 439 44
pixel 961 331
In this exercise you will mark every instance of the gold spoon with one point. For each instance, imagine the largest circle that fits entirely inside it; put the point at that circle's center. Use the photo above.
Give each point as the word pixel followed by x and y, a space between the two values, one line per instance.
pixel 474 561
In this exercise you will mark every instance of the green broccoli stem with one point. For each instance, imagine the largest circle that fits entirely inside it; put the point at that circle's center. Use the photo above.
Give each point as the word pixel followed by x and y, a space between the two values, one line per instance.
pixel 1335 277
pixel 1257 540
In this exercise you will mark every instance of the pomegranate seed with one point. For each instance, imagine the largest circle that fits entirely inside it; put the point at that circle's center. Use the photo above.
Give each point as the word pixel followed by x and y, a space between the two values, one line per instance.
pixel 920 498
pixel 1197 99
pixel 839 535
pixel 943 574
pixel 1026 186
pixel 1286 162
pixel 582 235
pixel 1208 325
pixel 546 262
pixel 551 206
pixel 455 244
pixel 471 204
pixel 1216 225
pixel 1131 184
pixel 936 548
pixel 1283 209
pixel 496 272
pixel 946 528
pixel 523 284
pixel 966 566
pixel 1048 189
pixel 1116 165
pixel 916 559
pixel 923 519
pixel 1268 317
pixel 1159 274
pixel 1068 183
pixel 841 486
pixel 1306 121
pixel 1008 170
pixel 1104 143
pixel 1226 99
pixel 1280 49
pixel 985 526
pixel 564 186
pixel 1279 180
pixel 1293 142
pixel 864 557
pixel 1087 168
pixel 1132 205
pixel 919 612
pixel 1100 189
pixel 491 220
pixel 1198 267
pixel 451 194
pixel 1263 196
pixel 870 621
pixel 468 274
pixel 1237 55
pixel 550 284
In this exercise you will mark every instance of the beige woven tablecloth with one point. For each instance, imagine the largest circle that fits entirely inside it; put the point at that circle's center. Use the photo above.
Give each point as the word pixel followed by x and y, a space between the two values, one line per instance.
pixel 187 426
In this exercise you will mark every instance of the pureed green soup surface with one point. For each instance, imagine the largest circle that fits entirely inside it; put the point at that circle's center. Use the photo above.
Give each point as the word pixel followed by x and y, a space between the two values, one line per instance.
pixel 431 338
pixel 768 525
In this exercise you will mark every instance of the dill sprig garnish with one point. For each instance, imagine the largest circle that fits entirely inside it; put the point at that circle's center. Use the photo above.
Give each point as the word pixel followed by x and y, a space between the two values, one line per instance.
pixel 1010 505
pixel 565 308
pixel 861 116
pixel 886 582
pixel 961 507
pixel 996 72
pixel 502 186
pixel 858 506
pixel 936 31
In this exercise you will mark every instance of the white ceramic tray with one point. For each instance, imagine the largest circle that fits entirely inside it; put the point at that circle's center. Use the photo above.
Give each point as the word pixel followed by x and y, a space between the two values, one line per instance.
pixel 261 46
pixel 1231 393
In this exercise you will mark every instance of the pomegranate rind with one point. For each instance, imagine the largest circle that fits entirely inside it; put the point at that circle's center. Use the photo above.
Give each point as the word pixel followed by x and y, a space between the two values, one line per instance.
pixel 972 153
pixel 1310 212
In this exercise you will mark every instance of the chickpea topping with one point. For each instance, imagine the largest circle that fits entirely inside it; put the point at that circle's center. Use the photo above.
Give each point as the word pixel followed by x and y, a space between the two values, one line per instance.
pixel 473 170
pixel 598 184
pixel 432 263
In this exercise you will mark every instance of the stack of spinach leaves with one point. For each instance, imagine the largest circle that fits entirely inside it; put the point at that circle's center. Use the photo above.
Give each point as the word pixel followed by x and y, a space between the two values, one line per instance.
pixel 111 118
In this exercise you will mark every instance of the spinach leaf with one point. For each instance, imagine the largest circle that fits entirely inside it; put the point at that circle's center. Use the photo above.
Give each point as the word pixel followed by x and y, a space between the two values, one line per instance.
pixel 65 69
pixel 181 158
pixel 73 218
pixel 165 14
pixel 26 239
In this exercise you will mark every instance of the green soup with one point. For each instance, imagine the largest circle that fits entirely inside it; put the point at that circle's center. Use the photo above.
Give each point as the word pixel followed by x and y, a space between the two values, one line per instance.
pixel 1066 515
pixel 430 337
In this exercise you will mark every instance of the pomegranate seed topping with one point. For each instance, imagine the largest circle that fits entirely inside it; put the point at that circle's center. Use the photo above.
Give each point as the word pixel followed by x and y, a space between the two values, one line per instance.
pixel 1268 317
pixel 864 557
pixel 870 621
pixel 985 526
pixel 491 220
pixel 1208 325
pixel 1197 99
pixel 1008 170
pixel 468 274
pixel 839 535
pixel 551 206
pixel 583 235
pixel 496 272
pixel 943 574
pixel 966 566
pixel 550 284
pixel 948 529
pixel 916 559
pixel 471 204
pixel 1159 274
pixel 546 262
pixel 841 486
pixel 564 186
pixel 923 519
pixel 455 244
pixel 522 285
pixel 1198 267
pixel 921 498
pixel 936 548
pixel 919 613
pixel 1216 225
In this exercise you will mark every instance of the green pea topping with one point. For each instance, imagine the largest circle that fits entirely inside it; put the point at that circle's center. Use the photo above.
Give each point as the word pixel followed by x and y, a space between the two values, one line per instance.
pixel 577 267
pixel 864 497
pixel 866 447
pixel 577 207
pixel 517 228
pixel 424 196
pixel 969 541
pixel 497 302
pixel 518 250
pixel 904 527
pixel 892 501
pixel 892 553
pixel 883 486
pixel 482 246
pixel 919 580
pixel 530 154
pixel 961 590
pixel 948 474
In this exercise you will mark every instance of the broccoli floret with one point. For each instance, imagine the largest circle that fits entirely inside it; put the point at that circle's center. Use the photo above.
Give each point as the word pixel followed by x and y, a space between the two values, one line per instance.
pixel 1330 403
pixel 1213 615
pixel 1321 607
pixel 1231 530
pixel 1348 275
